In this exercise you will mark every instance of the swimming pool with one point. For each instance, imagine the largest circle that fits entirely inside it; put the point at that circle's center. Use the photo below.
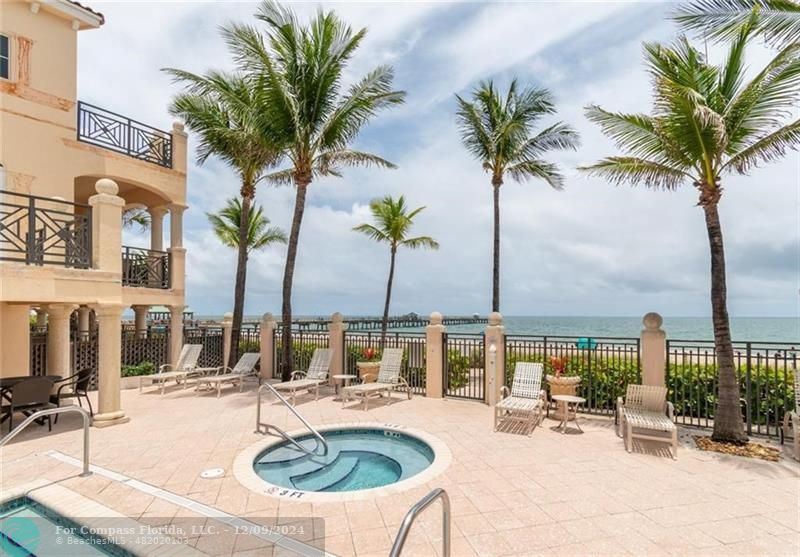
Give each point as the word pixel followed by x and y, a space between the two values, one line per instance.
pixel 357 459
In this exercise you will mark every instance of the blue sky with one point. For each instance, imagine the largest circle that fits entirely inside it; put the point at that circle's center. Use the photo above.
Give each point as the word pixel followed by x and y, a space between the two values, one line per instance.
pixel 592 249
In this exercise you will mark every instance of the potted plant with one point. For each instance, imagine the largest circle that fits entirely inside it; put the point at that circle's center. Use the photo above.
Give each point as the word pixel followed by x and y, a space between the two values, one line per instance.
pixel 368 364
pixel 130 374
pixel 561 384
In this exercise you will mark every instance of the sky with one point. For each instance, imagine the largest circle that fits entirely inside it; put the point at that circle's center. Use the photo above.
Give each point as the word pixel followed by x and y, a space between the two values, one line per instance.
pixel 591 249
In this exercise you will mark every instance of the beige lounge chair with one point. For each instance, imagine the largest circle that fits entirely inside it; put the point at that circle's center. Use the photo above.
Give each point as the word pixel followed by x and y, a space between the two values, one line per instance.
pixel 185 368
pixel 791 419
pixel 644 413
pixel 245 367
pixel 526 400
pixel 388 380
pixel 316 375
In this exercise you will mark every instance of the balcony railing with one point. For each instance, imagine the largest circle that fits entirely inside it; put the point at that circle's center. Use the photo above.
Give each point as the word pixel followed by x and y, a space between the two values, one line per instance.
pixel 121 134
pixel 145 268
pixel 45 231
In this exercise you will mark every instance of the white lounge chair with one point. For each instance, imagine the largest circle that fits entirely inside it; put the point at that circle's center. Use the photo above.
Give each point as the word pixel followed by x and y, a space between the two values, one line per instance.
pixel 526 400
pixel 645 412
pixel 316 375
pixel 388 380
pixel 245 367
pixel 185 368
pixel 791 419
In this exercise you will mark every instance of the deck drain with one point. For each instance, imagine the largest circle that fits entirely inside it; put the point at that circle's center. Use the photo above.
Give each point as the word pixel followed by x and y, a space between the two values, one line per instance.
pixel 212 473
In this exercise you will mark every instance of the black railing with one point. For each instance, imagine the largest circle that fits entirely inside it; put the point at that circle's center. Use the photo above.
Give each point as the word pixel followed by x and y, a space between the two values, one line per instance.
pixel 463 365
pixel 303 345
pixel 145 268
pixel 107 129
pixel 413 367
pixel 45 231
pixel 766 382
pixel 212 340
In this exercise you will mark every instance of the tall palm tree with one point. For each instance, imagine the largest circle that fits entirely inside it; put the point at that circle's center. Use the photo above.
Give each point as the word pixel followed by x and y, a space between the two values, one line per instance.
pixel 260 234
pixel 721 20
pixel 499 131
pixel 707 121
pixel 300 70
pixel 393 223
pixel 225 111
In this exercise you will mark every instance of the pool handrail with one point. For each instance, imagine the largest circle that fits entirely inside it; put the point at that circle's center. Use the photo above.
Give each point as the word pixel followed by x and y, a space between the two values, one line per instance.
pixel 264 427
pixel 411 516
pixel 87 420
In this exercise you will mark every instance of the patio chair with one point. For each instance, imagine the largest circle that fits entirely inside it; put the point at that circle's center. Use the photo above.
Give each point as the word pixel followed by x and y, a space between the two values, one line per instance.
pixel 75 386
pixel 245 367
pixel 185 368
pixel 526 401
pixel 316 375
pixel 27 397
pixel 388 380
pixel 791 419
pixel 647 410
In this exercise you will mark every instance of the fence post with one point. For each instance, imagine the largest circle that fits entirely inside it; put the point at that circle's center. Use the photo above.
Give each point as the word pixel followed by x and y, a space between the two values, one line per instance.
pixel 494 350
pixel 227 334
pixel 654 350
pixel 336 329
pixel 267 332
pixel 434 357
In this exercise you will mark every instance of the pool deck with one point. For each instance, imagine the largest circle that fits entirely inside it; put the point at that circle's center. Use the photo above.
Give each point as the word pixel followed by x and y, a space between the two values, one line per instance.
pixel 548 494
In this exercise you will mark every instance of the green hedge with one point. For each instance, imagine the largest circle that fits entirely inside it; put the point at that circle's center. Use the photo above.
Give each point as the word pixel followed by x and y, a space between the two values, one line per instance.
pixel 144 368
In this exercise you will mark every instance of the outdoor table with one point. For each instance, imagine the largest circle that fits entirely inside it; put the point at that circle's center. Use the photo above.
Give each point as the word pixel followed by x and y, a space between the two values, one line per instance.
pixel 564 401
pixel 342 380
pixel 6 383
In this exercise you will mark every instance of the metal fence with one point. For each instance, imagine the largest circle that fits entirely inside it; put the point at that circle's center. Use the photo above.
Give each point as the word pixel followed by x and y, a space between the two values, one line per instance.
pixel 145 268
pixel 413 344
pixel 211 339
pixel 766 382
pixel 606 365
pixel 463 366
pixel 303 345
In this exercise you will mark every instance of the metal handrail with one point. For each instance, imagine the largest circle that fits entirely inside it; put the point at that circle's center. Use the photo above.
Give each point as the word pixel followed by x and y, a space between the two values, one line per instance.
pixel 411 516
pixel 60 410
pixel 283 434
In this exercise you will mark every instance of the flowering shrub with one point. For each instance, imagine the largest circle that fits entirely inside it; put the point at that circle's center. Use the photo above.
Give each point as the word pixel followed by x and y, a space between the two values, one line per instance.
pixel 369 354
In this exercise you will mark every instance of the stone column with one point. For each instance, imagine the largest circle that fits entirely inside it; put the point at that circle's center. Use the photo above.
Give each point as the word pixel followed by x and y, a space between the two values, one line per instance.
pixel 58 341
pixel 107 226
pixel 83 322
pixel 109 411
pixel 179 147
pixel 157 227
pixel 654 350
pixel 140 320
pixel 494 349
pixel 176 225
pixel 15 339
pixel 41 319
pixel 267 332
pixel 227 330
pixel 336 329
pixel 175 333
pixel 434 358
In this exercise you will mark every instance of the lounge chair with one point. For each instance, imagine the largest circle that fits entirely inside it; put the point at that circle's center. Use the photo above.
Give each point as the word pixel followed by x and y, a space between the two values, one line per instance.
pixel 647 410
pixel 388 380
pixel 245 367
pixel 316 375
pixel 791 419
pixel 185 368
pixel 526 400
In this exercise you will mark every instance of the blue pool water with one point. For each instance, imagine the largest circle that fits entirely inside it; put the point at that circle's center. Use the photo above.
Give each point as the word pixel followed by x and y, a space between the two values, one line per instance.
pixel 28 529
pixel 357 459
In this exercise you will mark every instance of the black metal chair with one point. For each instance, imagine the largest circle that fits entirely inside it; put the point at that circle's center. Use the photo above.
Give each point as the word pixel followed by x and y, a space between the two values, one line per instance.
pixel 75 386
pixel 27 397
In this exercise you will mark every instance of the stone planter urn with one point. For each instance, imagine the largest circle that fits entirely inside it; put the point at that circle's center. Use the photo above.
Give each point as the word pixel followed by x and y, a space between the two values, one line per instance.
pixel 562 385
pixel 371 368
pixel 127 383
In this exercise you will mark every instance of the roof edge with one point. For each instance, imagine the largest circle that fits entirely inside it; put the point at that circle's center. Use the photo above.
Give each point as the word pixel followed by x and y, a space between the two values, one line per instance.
pixel 82 16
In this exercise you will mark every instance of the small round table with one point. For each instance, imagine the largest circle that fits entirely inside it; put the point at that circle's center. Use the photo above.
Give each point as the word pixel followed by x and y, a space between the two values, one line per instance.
pixel 564 402
pixel 342 380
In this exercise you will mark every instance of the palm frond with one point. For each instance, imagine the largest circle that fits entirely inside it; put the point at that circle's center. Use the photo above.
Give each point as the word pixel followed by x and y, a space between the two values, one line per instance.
pixel 420 242
pixel 633 170
pixel 525 170
pixel 225 224
pixel 766 149
pixel 392 223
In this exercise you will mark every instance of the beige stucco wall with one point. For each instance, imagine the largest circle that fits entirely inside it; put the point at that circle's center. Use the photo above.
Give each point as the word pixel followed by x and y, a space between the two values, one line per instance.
pixel 14 340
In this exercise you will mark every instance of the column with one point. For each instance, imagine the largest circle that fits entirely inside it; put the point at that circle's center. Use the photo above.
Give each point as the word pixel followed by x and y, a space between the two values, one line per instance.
pixel 177 253
pixel 15 339
pixel 179 147
pixel 267 332
pixel 109 405
pixel 176 225
pixel 336 329
pixel 494 349
pixel 83 322
pixel 140 320
pixel 41 319
pixel 654 350
pixel 157 227
pixel 227 333
pixel 434 357
pixel 59 361
pixel 175 333
pixel 107 226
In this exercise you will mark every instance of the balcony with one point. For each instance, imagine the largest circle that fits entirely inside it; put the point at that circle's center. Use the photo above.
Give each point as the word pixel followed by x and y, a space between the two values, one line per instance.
pixel 45 231
pixel 143 268
pixel 118 133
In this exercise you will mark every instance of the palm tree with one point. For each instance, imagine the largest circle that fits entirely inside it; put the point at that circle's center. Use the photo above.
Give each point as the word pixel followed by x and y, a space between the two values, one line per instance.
pixel 300 70
pixel 136 217
pixel 706 121
pixel 498 131
pixel 225 111
pixel 260 234
pixel 393 223
pixel 778 20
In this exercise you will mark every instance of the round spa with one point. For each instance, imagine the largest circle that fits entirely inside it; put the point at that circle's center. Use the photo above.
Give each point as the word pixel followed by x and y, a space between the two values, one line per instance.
pixel 357 458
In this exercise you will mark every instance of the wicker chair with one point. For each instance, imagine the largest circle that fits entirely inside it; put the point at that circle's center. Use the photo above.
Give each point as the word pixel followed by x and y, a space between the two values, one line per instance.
pixel 388 380
pixel 314 378
pixel 646 411
pixel 75 386
pixel 27 397
pixel 526 400
pixel 791 419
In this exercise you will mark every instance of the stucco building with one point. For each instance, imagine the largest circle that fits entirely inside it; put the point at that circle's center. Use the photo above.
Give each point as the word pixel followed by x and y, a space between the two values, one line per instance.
pixel 69 172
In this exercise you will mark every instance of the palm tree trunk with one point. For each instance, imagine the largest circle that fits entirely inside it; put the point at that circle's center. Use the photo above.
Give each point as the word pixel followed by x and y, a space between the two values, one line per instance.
pixel 496 249
pixel 385 323
pixel 241 273
pixel 728 425
pixel 287 363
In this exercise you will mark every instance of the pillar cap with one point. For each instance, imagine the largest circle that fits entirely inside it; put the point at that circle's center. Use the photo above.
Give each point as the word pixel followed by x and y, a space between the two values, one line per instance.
pixel 436 318
pixel 267 317
pixel 106 186
pixel 495 318
pixel 652 321
pixel 337 317
pixel 227 317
